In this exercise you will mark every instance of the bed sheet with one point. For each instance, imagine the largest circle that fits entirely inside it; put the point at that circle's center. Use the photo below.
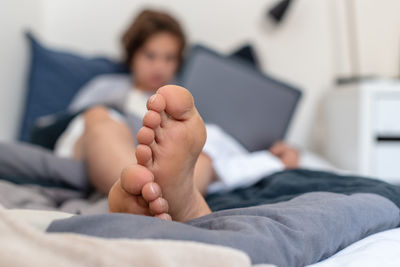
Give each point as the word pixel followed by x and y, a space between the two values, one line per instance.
pixel 381 249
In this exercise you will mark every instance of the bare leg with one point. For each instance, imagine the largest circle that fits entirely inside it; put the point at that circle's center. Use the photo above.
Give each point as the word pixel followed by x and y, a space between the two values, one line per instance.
pixel 107 146
pixel 204 173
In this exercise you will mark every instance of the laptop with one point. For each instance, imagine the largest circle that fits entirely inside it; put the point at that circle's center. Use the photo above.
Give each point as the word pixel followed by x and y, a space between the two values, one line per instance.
pixel 249 105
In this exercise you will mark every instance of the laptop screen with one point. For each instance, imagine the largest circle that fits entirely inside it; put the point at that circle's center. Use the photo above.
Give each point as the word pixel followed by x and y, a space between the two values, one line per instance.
pixel 252 107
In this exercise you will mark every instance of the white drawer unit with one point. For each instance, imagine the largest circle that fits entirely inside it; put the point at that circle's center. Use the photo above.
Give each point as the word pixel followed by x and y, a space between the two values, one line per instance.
pixel 387 113
pixel 386 161
pixel 362 129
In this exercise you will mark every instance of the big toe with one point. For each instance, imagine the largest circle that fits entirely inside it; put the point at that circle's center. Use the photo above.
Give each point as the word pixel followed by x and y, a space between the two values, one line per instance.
pixel 178 101
pixel 134 177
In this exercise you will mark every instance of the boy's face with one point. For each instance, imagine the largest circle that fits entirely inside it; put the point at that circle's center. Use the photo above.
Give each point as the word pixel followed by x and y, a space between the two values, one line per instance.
pixel 156 62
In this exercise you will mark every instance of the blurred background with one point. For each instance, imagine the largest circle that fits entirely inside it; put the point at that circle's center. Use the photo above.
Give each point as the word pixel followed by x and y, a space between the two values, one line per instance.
pixel 314 44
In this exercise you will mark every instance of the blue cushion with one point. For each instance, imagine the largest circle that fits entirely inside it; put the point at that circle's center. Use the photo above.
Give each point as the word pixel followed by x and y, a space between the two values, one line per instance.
pixel 54 78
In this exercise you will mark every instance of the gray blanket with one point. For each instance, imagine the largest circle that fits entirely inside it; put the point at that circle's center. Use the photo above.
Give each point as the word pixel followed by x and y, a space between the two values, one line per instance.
pixel 298 232
pixel 34 178
pixel 302 231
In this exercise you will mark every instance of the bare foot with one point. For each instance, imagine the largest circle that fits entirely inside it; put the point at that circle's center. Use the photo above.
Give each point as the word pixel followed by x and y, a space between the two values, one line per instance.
pixel 170 142
pixel 135 192
pixel 172 138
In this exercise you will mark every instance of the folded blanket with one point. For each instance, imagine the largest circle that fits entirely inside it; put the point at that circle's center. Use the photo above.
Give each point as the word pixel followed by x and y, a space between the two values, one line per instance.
pixel 23 245
pixel 298 232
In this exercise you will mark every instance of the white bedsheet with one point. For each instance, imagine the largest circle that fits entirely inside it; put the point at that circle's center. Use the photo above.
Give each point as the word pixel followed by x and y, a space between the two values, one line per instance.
pixel 381 249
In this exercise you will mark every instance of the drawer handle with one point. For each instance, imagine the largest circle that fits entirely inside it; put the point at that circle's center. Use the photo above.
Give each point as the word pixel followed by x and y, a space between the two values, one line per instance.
pixel 388 138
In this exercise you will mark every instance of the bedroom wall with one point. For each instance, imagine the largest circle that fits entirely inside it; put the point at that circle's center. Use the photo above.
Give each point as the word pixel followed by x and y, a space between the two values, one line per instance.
pixel 309 49
pixel 379 37
pixel 15 16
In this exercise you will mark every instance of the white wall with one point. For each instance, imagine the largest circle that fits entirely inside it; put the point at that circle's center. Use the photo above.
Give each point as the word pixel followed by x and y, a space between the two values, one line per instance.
pixel 309 49
pixel 379 37
pixel 15 16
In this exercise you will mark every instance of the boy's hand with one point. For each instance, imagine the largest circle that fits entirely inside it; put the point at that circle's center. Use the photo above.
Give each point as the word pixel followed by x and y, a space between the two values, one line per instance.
pixel 287 154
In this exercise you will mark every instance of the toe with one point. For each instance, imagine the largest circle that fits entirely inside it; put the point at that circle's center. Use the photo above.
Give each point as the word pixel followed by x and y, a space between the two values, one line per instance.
pixel 179 101
pixel 143 155
pixel 134 177
pixel 156 103
pixel 145 136
pixel 121 201
pixel 152 119
pixel 158 206
pixel 151 191
pixel 164 216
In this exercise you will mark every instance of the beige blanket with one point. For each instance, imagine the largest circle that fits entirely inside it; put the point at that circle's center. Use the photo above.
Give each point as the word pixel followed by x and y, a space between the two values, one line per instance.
pixel 24 244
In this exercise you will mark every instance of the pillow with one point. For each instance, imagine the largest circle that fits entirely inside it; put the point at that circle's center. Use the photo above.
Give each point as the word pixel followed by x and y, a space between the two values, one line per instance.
pixel 247 53
pixel 55 77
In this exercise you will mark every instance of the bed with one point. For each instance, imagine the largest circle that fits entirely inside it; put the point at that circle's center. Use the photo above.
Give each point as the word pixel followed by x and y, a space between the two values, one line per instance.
pixel 297 235
pixel 291 218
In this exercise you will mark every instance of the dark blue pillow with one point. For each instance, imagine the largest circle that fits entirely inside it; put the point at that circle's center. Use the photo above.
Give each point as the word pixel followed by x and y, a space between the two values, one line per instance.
pixel 54 78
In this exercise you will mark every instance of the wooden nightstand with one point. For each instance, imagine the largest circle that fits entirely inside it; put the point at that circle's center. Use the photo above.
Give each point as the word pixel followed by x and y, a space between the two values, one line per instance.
pixel 362 129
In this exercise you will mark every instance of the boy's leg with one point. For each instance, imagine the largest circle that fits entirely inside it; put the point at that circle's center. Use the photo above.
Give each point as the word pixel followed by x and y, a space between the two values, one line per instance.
pixel 107 148
pixel 204 173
